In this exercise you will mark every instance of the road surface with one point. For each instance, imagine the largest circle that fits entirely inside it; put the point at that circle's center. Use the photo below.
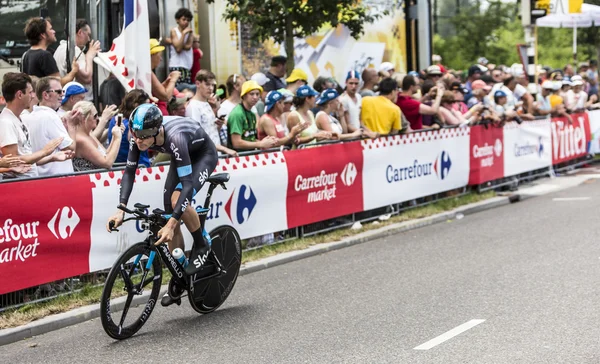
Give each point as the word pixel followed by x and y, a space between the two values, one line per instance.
pixel 516 284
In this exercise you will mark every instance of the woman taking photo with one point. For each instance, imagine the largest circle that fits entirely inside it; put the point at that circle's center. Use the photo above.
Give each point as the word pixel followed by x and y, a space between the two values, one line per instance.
pixel 90 153
pixel 305 100
pixel 270 124
pixel 328 103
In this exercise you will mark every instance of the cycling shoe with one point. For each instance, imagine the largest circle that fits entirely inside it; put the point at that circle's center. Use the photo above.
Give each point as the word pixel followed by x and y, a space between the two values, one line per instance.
pixel 168 300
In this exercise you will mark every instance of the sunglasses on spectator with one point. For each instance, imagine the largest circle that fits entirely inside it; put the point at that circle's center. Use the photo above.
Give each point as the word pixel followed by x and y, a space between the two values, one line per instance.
pixel 58 92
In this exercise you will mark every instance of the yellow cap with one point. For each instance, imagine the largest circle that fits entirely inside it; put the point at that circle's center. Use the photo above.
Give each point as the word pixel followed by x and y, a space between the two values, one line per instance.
pixel 297 74
pixel 155 46
pixel 250 86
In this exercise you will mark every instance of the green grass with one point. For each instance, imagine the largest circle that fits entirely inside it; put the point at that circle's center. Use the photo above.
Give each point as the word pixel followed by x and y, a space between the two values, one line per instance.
pixel 91 294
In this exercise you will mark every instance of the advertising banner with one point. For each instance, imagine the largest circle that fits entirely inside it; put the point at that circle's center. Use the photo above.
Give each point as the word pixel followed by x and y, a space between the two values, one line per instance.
pixel 570 141
pixel 527 146
pixel 405 167
pixel 44 231
pixel 254 203
pixel 594 118
pixel 487 154
pixel 324 183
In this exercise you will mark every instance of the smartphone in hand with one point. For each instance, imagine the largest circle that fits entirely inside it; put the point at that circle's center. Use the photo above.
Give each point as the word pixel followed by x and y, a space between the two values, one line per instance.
pixel 119 119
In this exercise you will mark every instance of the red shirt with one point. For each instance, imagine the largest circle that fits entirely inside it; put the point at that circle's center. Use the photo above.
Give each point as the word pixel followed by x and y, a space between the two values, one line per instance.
pixel 195 64
pixel 410 109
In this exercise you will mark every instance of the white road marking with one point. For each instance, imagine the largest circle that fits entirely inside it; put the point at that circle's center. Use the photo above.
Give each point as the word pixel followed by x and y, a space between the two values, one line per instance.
pixel 449 335
pixel 571 198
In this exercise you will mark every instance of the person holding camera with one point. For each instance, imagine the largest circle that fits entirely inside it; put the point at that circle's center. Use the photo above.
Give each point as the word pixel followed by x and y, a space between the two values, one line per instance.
pixel 85 51
pixel 414 110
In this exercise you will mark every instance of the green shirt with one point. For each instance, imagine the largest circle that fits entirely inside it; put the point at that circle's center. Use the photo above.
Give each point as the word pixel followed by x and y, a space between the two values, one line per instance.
pixel 243 122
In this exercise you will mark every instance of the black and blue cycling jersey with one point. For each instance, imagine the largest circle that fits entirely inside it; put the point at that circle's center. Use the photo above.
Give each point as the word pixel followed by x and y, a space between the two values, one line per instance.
pixel 193 159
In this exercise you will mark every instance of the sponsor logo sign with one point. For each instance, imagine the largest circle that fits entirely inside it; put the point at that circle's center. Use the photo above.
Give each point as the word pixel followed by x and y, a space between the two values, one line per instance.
pixel 324 183
pixel 527 147
pixel 570 141
pixel 486 154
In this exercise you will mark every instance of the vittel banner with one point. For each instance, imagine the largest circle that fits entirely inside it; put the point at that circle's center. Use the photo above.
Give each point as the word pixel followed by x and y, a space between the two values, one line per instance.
pixel 44 231
pixel 570 141
pixel 527 146
pixel 405 167
pixel 324 183
pixel 487 154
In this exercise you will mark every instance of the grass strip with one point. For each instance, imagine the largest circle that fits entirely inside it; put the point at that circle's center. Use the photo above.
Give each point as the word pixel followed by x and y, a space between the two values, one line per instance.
pixel 91 294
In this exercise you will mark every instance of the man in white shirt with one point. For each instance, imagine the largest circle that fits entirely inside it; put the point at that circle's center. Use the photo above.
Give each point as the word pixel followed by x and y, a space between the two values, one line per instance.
pixel 14 135
pixel 234 88
pixel 576 98
pixel 83 37
pixel 202 109
pixel 44 125
pixel 352 101
pixel 73 92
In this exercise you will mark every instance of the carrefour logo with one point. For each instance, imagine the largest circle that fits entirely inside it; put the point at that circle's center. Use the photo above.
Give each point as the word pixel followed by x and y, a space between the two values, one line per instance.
pixel 64 218
pixel 349 174
pixel 529 149
pixel 246 202
pixel 440 167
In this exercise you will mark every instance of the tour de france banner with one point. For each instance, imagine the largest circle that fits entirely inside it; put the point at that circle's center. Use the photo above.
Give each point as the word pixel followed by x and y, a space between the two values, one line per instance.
pixel 405 167
pixel 44 231
pixel 570 141
pixel 252 204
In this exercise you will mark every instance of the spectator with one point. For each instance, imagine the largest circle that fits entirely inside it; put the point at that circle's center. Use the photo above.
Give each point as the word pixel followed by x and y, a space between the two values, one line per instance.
pixel 434 73
pixel 202 108
pixel 329 103
pixel 511 89
pixel 352 101
pixel 452 116
pixel 568 71
pixel 133 99
pixel 111 92
pixel 288 100
pixel 181 56
pixel 414 110
pixel 197 56
pixel 370 79
pixel 542 106
pixel 379 113
pixel 593 77
pixel 304 101
pixel 241 124
pixel 480 92
pixel 234 90
pixel 83 40
pixel 45 125
pixel 38 61
pixel 297 79
pixel 458 93
pixel 275 74
pixel 90 153
pixel 437 61
pixel 323 83
pixel 500 102
pixel 261 79
pixel 177 104
pixel 34 100
pixel 271 124
pixel 163 91
pixel 386 69
pixel 73 92
pixel 498 74
pixel 473 75
pixel 577 99
pixel 14 135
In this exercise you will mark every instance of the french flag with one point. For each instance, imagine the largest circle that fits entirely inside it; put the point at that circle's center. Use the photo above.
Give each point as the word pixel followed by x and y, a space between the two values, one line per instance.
pixel 129 56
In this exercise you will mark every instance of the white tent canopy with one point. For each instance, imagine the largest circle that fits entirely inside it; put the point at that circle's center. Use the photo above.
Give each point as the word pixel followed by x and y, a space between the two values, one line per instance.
pixel 589 17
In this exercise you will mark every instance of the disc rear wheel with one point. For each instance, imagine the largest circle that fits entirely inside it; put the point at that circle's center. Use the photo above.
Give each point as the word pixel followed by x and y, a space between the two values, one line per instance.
pixel 207 294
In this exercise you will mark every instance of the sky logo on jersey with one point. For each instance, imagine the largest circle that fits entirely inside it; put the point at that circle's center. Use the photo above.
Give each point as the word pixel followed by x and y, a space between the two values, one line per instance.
pixel 246 201
pixel 441 168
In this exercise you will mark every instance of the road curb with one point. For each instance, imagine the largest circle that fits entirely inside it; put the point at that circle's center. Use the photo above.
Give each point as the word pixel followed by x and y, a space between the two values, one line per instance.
pixel 86 313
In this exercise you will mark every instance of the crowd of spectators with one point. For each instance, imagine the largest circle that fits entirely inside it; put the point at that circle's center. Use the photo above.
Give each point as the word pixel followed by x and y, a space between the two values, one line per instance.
pixel 50 124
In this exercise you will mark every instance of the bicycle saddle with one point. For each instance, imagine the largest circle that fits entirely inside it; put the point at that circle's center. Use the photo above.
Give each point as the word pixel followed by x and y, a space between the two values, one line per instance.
pixel 219 178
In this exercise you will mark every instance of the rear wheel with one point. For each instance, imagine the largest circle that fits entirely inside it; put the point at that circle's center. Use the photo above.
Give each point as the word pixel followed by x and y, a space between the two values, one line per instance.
pixel 207 294
pixel 130 276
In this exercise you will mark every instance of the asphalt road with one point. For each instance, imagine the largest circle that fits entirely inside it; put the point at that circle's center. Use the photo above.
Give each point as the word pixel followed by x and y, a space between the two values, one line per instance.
pixel 530 270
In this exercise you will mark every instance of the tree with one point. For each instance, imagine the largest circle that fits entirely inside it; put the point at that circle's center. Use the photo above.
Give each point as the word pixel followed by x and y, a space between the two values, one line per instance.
pixel 284 20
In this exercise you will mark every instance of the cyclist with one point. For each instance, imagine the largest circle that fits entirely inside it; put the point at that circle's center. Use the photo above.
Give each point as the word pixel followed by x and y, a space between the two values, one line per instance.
pixel 193 159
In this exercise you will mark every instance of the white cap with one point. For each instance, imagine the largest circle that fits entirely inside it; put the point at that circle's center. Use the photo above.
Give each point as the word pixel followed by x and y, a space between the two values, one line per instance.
pixel 556 85
pixel 576 80
pixel 260 78
pixel 436 58
pixel 548 85
pixel 386 66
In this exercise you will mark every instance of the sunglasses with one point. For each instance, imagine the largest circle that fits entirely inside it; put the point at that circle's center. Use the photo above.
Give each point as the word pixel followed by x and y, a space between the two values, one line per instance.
pixel 58 92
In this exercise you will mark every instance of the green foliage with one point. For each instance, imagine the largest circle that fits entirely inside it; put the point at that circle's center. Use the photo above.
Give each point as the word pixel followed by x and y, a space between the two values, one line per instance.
pixel 282 20
pixel 495 31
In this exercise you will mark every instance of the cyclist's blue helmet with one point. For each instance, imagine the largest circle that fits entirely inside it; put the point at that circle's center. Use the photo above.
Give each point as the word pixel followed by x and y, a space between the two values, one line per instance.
pixel 146 121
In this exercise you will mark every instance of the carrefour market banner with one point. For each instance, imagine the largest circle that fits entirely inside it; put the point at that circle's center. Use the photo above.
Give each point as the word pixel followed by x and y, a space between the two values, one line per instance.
pixel 405 167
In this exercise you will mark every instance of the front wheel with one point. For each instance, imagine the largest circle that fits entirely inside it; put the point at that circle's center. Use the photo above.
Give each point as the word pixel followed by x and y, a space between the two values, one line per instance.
pixel 130 276
pixel 207 294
